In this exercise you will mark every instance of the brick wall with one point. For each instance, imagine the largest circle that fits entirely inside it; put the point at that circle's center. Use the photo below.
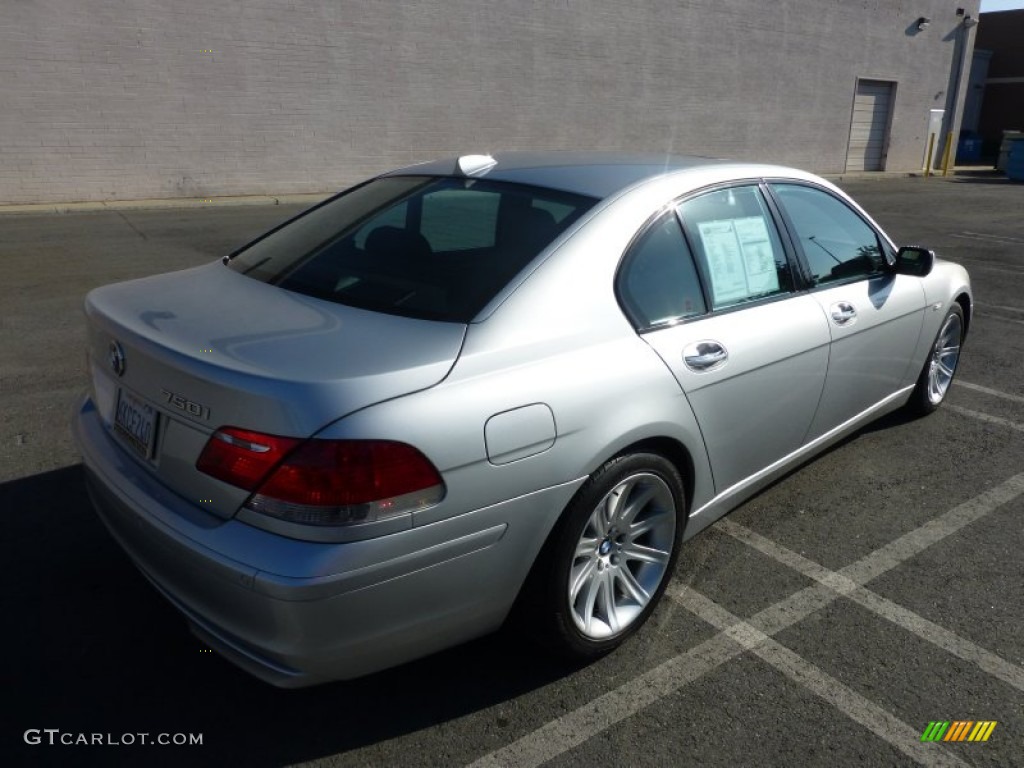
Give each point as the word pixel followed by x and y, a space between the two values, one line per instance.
pixel 123 99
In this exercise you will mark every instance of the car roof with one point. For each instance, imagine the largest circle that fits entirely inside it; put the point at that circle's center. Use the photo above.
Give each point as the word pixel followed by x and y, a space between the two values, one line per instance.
pixel 597 174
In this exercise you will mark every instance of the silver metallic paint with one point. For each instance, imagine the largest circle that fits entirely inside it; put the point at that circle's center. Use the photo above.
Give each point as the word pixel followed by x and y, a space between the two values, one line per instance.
pixel 297 612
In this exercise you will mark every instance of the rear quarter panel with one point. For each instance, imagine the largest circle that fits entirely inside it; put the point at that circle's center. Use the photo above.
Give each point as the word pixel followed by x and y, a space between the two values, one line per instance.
pixel 561 340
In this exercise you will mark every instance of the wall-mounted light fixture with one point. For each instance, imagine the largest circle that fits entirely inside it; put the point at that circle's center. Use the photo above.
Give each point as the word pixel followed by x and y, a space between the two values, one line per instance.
pixel 923 23
pixel 970 21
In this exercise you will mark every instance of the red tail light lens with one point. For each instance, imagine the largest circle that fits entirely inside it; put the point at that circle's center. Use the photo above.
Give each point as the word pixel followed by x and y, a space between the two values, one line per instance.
pixel 323 482
pixel 243 458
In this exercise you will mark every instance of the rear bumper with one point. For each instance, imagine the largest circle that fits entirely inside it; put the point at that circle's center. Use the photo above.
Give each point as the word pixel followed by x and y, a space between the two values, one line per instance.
pixel 267 603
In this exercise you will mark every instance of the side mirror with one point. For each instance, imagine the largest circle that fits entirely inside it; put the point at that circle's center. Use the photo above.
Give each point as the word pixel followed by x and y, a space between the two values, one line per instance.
pixel 914 260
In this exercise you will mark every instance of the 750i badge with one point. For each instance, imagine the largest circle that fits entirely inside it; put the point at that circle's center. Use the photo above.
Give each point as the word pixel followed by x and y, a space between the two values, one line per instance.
pixel 182 403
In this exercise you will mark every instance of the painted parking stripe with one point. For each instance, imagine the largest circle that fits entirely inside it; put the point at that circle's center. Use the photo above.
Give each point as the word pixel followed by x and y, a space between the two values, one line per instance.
pixel 902 617
pixel 990 316
pixel 576 727
pixel 988 418
pixel 1003 307
pixel 987 391
pixel 985 236
pixel 909 544
pixel 856 707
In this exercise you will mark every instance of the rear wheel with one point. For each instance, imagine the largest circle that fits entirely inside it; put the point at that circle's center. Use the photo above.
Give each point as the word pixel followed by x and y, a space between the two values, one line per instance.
pixel 939 369
pixel 610 558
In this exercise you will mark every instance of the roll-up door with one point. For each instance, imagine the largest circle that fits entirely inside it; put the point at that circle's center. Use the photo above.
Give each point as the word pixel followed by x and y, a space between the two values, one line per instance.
pixel 869 129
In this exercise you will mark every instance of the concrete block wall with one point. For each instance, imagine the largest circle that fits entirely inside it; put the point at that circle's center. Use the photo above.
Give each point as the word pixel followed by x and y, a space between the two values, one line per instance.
pixel 129 99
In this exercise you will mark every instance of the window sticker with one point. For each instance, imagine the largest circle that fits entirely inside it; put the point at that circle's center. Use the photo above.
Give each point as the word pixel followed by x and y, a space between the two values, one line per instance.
pixel 725 261
pixel 740 259
pixel 762 277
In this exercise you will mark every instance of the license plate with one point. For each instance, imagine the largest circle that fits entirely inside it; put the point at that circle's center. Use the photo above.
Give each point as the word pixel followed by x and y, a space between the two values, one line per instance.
pixel 135 421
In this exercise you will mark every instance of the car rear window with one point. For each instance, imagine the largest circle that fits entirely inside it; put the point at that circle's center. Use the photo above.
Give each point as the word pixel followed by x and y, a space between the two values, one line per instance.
pixel 438 248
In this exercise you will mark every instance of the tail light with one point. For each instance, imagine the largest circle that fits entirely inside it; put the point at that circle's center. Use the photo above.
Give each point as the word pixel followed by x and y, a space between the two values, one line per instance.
pixel 323 482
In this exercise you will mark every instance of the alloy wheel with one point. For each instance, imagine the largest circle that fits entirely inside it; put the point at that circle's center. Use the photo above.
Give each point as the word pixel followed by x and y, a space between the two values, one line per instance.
pixel 622 555
pixel 944 359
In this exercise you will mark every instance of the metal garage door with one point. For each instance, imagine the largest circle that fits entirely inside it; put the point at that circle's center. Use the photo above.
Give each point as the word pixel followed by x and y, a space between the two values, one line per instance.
pixel 869 128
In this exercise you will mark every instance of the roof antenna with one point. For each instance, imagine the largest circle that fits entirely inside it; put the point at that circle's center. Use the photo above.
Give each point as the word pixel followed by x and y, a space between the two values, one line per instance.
pixel 475 165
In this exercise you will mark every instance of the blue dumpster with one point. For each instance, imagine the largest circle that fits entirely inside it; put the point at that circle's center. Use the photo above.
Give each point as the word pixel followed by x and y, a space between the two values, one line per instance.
pixel 968 149
pixel 1015 161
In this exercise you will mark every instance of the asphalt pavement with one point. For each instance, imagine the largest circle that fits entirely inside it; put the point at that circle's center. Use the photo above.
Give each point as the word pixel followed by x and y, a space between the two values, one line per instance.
pixel 827 621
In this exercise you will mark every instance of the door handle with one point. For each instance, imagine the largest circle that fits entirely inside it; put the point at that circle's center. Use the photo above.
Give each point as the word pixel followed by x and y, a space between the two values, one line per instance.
pixel 704 355
pixel 843 313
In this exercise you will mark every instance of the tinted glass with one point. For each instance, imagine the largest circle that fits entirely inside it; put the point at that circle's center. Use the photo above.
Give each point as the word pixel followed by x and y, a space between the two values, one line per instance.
pixel 460 219
pixel 737 246
pixel 429 247
pixel 658 283
pixel 837 243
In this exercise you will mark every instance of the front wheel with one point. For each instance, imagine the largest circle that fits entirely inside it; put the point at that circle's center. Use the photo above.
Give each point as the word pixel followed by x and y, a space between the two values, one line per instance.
pixel 610 557
pixel 939 369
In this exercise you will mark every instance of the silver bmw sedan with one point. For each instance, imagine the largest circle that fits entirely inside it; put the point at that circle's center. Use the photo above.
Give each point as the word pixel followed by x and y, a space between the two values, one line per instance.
pixel 492 388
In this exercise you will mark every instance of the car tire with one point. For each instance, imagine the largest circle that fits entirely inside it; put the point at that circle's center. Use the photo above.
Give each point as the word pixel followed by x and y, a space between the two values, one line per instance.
pixel 939 369
pixel 607 562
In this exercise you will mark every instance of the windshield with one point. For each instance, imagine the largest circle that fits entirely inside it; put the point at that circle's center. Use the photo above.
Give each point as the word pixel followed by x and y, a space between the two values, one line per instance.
pixel 438 248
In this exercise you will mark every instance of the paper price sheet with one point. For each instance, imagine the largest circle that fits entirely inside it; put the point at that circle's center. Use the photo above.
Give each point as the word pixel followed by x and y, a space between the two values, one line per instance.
pixel 740 258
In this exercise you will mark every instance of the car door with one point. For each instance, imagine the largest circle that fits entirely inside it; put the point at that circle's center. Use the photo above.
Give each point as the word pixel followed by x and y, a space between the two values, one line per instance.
pixel 710 289
pixel 874 316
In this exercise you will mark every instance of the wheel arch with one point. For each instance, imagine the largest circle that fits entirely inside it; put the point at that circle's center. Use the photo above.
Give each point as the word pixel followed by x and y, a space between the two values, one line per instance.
pixel 670 449
pixel 964 300
pixel 675 452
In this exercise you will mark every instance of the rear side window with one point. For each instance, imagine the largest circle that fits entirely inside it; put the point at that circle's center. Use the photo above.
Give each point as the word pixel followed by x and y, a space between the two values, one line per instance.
pixel 837 243
pixel 658 283
pixel 737 246
pixel 437 248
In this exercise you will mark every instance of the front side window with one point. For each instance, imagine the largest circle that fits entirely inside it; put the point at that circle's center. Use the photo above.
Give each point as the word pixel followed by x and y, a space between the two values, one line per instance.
pixel 436 248
pixel 736 243
pixel 836 242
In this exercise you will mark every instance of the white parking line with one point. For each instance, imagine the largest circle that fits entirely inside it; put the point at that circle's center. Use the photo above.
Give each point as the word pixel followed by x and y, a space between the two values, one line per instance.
pixel 574 728
pixel 941 637
pixel 986 268
pixel 1003 307
pixel 984 236
pixel 897 614
pixel 988 391
pixel 909 544
pixel 989 315
pixel 985 416
pixel 859 709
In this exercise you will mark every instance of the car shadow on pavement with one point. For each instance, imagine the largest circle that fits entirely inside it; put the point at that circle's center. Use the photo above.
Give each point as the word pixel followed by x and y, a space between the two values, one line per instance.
pixel 1000 181
pixel 90 647
pixel 889 421
pixel 982 176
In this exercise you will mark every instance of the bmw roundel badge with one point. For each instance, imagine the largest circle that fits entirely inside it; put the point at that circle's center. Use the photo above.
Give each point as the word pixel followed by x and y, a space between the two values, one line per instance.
pixel 115 356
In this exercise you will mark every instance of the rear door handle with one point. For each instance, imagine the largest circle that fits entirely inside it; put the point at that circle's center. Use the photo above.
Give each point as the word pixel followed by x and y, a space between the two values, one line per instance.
pixel 843 313
pixel 704 355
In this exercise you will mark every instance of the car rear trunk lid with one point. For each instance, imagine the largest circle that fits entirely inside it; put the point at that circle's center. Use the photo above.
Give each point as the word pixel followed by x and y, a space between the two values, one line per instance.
pixel 177 356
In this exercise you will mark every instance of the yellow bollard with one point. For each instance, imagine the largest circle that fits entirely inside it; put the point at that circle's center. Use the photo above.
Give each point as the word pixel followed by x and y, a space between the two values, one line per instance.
pixel 945 155
pixel 928 162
